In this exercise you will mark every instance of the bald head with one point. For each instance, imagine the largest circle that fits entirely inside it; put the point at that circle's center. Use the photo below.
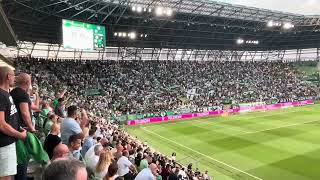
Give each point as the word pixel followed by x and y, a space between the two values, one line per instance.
pixel 153 167
pixel 60 151
pixel 6 76
pixel 24 79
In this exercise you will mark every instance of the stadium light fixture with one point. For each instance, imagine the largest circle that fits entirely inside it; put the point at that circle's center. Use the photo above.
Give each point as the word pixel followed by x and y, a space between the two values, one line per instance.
pixel 134 8
pixel 132 35
pixel 139 9
pixel 159 11
pixel 270 23
pixel 146 35
pixel 288 25
pixel 115 34
pixel 150 10
pixel 169 12
pixel 141 35
pixel 240 41
pixel 124 34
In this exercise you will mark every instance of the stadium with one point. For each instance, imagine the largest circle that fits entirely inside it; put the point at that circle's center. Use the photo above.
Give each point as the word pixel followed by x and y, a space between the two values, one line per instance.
pixel 159 90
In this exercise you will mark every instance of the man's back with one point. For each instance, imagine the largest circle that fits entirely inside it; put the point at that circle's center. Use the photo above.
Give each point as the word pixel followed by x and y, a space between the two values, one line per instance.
pixel 69 127
pixel 123 164
pixel 20 96
pixel 145 174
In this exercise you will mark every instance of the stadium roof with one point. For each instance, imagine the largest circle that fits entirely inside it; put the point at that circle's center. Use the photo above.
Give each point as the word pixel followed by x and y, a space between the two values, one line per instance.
pixel 195 24
pixel 7 35
pixel 307 7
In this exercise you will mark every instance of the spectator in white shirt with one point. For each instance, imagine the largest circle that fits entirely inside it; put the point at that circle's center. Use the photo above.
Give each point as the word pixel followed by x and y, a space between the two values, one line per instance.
pixel 125 166
pixel 92 160
pixel 91 153
pixel 148 173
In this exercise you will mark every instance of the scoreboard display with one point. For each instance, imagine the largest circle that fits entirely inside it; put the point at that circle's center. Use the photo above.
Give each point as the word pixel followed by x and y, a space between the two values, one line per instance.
pixel 83 36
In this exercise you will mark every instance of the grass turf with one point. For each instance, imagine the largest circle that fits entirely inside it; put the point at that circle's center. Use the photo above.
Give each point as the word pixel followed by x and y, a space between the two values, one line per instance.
pixel 279 144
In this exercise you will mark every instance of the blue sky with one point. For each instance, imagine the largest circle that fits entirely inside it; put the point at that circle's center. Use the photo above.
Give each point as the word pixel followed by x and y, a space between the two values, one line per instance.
pixel 306 7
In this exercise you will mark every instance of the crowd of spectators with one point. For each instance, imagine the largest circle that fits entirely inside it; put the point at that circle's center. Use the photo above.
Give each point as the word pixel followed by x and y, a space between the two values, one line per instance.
pixel 77 145
pixel 50 102
pixel 131 87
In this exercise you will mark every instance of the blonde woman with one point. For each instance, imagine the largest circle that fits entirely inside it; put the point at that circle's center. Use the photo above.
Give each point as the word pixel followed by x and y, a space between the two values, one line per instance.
pixel 105 159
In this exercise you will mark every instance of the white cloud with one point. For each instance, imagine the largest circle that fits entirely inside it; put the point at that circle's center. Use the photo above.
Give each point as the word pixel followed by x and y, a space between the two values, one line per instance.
pixel 306 7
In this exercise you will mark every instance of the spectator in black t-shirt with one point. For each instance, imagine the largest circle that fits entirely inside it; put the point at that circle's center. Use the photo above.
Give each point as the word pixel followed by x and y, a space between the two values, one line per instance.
pixel 8 126
pixel 52 140
pixel 22 101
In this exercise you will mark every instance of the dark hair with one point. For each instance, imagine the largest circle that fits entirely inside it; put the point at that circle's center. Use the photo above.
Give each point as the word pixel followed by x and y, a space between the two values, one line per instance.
pixel 98 139
pixel 125 153
pixel 75 137
pixel 64 169
pixel 72 110
pixel 119 178
pixel 92 131
pixel 60 100
pixel 131 152
pixel 52 116
pixel 112 170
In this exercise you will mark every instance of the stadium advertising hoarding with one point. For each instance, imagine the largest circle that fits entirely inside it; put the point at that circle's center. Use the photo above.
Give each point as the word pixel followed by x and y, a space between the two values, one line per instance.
pixel 220 112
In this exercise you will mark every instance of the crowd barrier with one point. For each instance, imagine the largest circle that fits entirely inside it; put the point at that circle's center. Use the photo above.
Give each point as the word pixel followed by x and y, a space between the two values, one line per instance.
pixel 219 112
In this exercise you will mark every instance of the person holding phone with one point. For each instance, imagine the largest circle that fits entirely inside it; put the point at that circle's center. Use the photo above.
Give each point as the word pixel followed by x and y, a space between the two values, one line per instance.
pixel 9 127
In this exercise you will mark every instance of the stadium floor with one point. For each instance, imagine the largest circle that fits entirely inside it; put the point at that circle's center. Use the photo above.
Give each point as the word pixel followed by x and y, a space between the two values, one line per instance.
pixel 279 144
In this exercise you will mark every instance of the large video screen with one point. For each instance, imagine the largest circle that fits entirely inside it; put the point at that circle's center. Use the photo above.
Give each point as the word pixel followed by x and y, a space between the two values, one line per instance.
pixel 79 35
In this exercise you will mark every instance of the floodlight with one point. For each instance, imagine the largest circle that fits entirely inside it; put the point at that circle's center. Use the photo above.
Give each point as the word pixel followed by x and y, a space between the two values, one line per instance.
pixel 139 9
pixel 169 12
pixel 240 41
pixel 270 23
pixel 288 25
pixel 133 35
pixel 159 11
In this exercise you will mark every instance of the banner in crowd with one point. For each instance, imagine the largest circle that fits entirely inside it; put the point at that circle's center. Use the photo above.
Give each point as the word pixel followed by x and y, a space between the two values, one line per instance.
pixel 220 112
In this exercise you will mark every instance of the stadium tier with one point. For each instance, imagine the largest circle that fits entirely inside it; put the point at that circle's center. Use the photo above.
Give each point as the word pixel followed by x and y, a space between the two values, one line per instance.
pixel 158 90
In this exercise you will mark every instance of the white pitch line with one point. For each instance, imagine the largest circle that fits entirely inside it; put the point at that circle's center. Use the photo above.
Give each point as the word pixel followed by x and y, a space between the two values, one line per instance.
pixel 290 125
pixel 242 115
pixel 186 147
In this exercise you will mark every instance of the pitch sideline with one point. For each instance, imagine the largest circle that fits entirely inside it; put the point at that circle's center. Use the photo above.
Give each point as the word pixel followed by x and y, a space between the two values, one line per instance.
pixel 186 147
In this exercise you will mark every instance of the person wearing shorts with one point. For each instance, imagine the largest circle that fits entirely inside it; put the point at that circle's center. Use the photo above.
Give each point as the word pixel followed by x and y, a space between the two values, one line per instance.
pixel 9 129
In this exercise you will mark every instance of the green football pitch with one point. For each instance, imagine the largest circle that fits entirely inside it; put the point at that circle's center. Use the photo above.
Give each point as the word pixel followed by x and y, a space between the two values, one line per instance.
pixel 281 144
